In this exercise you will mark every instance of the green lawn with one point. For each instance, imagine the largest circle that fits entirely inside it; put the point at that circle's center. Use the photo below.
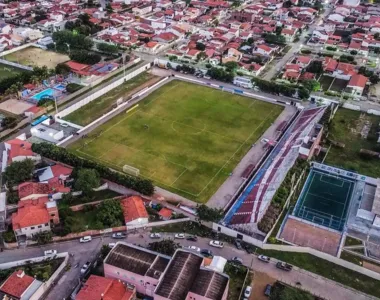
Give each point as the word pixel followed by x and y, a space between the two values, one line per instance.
pixel 343 128
pixel 95 109
pixel 8 71
pixel 186 138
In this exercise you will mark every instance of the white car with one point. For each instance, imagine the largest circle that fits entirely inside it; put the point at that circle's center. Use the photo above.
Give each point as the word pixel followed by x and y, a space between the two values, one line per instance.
pixel 264 141
pixel 111 245
pixel 85 239
pixel 194 248
pixel 264 258
pixel 248 291
pixel 85 267
pixel 64 125
pixel 179 236
pixel 216 244
pixel 155 235
pixel 50 252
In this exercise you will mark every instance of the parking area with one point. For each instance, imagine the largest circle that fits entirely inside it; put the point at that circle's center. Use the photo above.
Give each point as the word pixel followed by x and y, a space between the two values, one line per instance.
pixel 259 283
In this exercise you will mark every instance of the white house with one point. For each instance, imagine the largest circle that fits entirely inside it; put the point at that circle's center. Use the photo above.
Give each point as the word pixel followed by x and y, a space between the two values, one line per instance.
pixel 17 150
pixel 356 85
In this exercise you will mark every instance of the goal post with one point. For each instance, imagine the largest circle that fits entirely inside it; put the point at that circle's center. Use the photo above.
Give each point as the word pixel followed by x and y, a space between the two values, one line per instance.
pixel 131 170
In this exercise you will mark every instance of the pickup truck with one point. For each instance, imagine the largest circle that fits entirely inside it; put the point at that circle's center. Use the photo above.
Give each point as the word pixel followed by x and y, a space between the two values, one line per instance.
pixel 284 266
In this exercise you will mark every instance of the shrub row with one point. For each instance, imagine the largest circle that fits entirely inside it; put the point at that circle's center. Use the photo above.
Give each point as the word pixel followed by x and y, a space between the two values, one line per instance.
pixel 53 152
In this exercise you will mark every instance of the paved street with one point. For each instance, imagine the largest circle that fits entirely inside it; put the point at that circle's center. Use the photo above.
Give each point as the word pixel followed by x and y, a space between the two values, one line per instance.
pixel 295 47
pixel 85 252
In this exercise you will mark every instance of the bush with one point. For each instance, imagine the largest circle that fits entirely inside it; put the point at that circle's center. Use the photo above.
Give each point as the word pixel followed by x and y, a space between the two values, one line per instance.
pixel 53 152
pixel 9 236
pixel 104 47
pixel 73 87
pixel 329 48
pixel 9 122
pixel 19 171
pixel 85 57
pixel 305 51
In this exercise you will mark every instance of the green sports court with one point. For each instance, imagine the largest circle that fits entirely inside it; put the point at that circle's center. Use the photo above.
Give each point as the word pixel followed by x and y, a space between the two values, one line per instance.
pixel 325 199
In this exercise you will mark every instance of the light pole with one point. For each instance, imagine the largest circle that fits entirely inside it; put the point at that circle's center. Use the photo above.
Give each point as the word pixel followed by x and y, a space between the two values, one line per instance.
pixel 55 46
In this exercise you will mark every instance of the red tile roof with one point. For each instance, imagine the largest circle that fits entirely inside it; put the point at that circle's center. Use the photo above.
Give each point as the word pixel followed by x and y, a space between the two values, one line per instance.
pixel 133 208
pixel 76 66
pixel 101 288
pixel 358 80
pixel 19 148
pixel 30 213
pixel 165 212
pixel 17 284
pixel 59 170
pixel 304 59
pixel 38 188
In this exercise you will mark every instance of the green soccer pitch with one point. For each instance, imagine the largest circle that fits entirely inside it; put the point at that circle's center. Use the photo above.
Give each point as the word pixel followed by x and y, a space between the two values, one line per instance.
pixel 186 138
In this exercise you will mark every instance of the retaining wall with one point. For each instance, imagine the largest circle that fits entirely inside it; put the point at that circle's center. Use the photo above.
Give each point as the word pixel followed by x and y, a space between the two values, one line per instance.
pixel 104 90
pixel 16 65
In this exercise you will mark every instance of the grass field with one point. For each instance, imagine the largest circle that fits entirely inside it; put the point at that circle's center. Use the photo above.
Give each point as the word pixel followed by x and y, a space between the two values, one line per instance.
pixel 95 109
pixel 186 138
pixel 325 200
pixel 344 129
pixel 8 71
pixel 33 56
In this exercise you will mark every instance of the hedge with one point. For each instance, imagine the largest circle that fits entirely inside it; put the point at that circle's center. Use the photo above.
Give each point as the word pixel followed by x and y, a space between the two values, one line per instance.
pixel 53 152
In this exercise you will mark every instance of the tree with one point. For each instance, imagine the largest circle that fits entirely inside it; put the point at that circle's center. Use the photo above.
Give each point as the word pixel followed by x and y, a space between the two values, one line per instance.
pixel 275 39
pixel 110 213
pixel 84 57
pixel 200 46
pixel 87 180
pixel 9 122
pixel 166 247
pixel 209 214
pixel 62 69
pixel 376 36
pixel 303 93
pixel 201 55
pixel 231 66
pixel 374 79
pixel 107 48
pixel 43 237
pixel 311 85
pixel 315 67
pixel 19 171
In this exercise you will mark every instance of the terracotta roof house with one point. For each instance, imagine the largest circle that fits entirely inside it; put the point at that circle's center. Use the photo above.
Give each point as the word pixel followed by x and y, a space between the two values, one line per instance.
pixel 165 213
pixel 134 211
pixel 34 216
pixel 101 288
pixel 356 85
pixel 17 150
pixel 32 190
pixel 19 286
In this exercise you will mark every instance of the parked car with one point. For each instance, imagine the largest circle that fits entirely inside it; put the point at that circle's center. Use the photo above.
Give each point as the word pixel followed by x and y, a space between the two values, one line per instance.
pixel 64 125
pixel 111 245
pixel 50 252
pixel 248 291
pixel 267 290
pixel 207 77
pixel 85 239
pixel 216 244
pixel 264 258
pixel 118 235
pixel 192 238
pixel 238 244
pixel 193 248
pixel 206 253
pixel 236 260
pixel 179 236
pixel 284 266
pixel 85 267
pixel 155 235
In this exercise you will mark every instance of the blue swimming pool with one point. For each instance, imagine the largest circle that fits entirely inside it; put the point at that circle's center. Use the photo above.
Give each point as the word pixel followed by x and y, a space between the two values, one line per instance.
pixel 60 87
pixel 40 95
